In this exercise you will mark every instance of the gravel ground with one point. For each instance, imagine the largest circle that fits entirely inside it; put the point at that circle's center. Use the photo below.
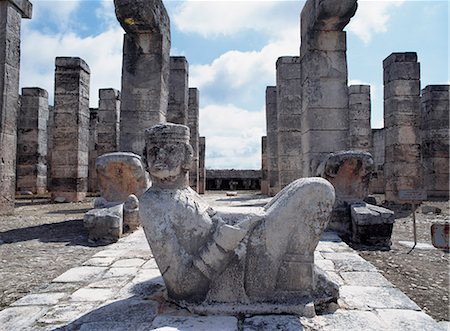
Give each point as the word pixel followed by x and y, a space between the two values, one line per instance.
pixel 42 240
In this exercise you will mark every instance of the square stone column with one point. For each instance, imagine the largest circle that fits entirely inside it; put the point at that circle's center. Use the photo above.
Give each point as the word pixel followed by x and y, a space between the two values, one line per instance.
pixel 93 150
pixel 288 119
pixel 378 146
pixel 360 132
pixel 108 130
pixel 32 141
pixel 403 167
pixel 177 110
pixel 193 123
pixel 264 181
pixel 201 165
pixel 272 141
pixel 324 80
pixel 11 13
pixel 435 140
pixel 71 129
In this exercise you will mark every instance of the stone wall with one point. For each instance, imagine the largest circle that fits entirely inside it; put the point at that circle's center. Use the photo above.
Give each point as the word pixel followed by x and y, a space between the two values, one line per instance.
pixel 177 110
pixel 264 181
pixel 231 179
pixel 11 13
pixel 288 119
pixel 193 123
pixel 403 168
pixel 377 151
pixel 435 140
pixel 201 165
pixel 272 140
pixel 360 132
pixel 93 150
pixel 71 129
pixel 32 141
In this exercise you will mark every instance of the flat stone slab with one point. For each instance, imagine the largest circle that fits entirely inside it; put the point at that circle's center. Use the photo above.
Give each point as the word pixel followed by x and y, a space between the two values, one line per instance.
pixel 64 313
pixel 195 323
pixel 80 274
pixel 40 299
pixel 365 279
pixel 93 294
pixel 348 320
pixel 367 297
pixel 408 320
pixel 128 263
pixel 272 322
pixel 16 318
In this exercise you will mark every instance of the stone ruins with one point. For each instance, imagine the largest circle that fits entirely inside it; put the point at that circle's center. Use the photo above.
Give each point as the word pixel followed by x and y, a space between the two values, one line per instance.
pixel 320 160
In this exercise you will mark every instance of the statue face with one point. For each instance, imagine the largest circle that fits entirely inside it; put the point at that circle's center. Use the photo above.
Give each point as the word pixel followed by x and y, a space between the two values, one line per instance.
pixel 166 160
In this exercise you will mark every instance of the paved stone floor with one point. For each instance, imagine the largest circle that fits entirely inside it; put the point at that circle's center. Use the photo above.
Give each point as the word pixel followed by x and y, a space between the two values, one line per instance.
pixel 120 288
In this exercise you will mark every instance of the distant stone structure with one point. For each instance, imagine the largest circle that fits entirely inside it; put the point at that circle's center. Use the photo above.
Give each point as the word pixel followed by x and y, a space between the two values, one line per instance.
pixel 32 141
pixel 193 124
pixel 231 179
pixel 108 129
pixel 11 13
pixel 201 165
pixel 264 181
pixel 145 69
pixel 224 262
pixel 93 150
pixel 435 140
pixel 360 132
pixel 403 168
pixel 177 109
pixel 288 119
pixel 71 130
pixel 325 98
pixel 378 147
pixel 272 140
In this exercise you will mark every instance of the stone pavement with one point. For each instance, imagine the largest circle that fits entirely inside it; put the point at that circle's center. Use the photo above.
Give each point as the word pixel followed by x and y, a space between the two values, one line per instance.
pixel 120 288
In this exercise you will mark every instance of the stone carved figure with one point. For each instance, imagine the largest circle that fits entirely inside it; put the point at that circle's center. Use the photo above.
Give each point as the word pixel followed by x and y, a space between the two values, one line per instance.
pixel 232 262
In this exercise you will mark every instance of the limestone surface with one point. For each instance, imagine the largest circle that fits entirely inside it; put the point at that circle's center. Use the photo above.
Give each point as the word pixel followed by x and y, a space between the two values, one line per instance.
pixel 252 262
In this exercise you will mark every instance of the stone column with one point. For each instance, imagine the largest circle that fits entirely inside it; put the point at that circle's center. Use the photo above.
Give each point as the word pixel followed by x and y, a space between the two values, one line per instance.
pixel 403 168
pixel 360 132
pixel 193 123
pixel 324 79
pixel 201 165
pixel 71 130
pixel 145 70
pixel 93 150
pixel 272 141
pixel 32 141
pixel 108 130
pixel 50 125
pixel 377 151
pixel 264 181
pixel 177 110
pixel 435 140
pixel 11 13
pixel 288 119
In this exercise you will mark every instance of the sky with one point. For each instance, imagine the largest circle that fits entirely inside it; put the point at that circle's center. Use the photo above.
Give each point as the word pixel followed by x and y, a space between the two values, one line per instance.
pixel 232 47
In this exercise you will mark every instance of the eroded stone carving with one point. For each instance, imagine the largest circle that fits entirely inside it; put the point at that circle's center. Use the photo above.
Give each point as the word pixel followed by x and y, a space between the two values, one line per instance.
pixel 260 261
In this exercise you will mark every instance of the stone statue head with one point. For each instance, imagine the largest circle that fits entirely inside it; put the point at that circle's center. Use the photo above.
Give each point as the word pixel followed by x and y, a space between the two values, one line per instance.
pixel 168 153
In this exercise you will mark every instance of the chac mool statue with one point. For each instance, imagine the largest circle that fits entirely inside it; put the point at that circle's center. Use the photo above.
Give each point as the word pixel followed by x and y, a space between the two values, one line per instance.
pixel 256 262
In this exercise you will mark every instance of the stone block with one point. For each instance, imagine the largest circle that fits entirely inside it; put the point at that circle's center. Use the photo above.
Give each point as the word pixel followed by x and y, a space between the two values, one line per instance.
pixel 272 322
pixel 401 88
pixel 404 319
pixel 325 93
pixel 400 58
pixel 92 294
pixel 371 225
pixel 364 278
pixel 80 274
pixel 105 225
pixel 197 323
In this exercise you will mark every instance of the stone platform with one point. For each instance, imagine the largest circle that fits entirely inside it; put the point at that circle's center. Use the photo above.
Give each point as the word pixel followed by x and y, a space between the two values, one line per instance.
pixel 120 288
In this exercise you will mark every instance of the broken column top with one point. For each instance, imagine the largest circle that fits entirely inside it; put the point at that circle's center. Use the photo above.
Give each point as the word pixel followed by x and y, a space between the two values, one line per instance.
pixel 327 15
pixel 72 62
pixel 138 16
pixel 23 6
pixel 400 57
pixel 178 63
pixel 109 93
pixel 34 92
pixel 436 88
pixel 287 60
pixel 358 89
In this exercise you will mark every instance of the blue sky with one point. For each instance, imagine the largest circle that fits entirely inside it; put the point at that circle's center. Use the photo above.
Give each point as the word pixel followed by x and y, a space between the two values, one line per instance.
pixel 232 47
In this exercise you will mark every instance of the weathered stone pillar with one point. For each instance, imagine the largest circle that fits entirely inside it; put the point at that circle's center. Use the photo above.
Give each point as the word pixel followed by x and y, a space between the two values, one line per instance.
pixel 272 140
pixel 50 125
pixel 145 69
pixel 32 141
pixel 71 129
pixel 264 181
pixel 377 151
pixel 324 79
pixel 360 132
pixel 93 150
pixel 435 140
pixel 201 165
pixel 403 168
pixel 11 12
pixel 177 110
pixel 193 123
pixel 108 130
pixel 289 124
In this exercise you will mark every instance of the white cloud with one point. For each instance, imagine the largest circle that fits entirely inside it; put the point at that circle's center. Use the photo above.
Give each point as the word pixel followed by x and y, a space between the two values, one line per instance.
pixel 103 54
pixel 58 12
pixel 233 137
pixel 372 17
